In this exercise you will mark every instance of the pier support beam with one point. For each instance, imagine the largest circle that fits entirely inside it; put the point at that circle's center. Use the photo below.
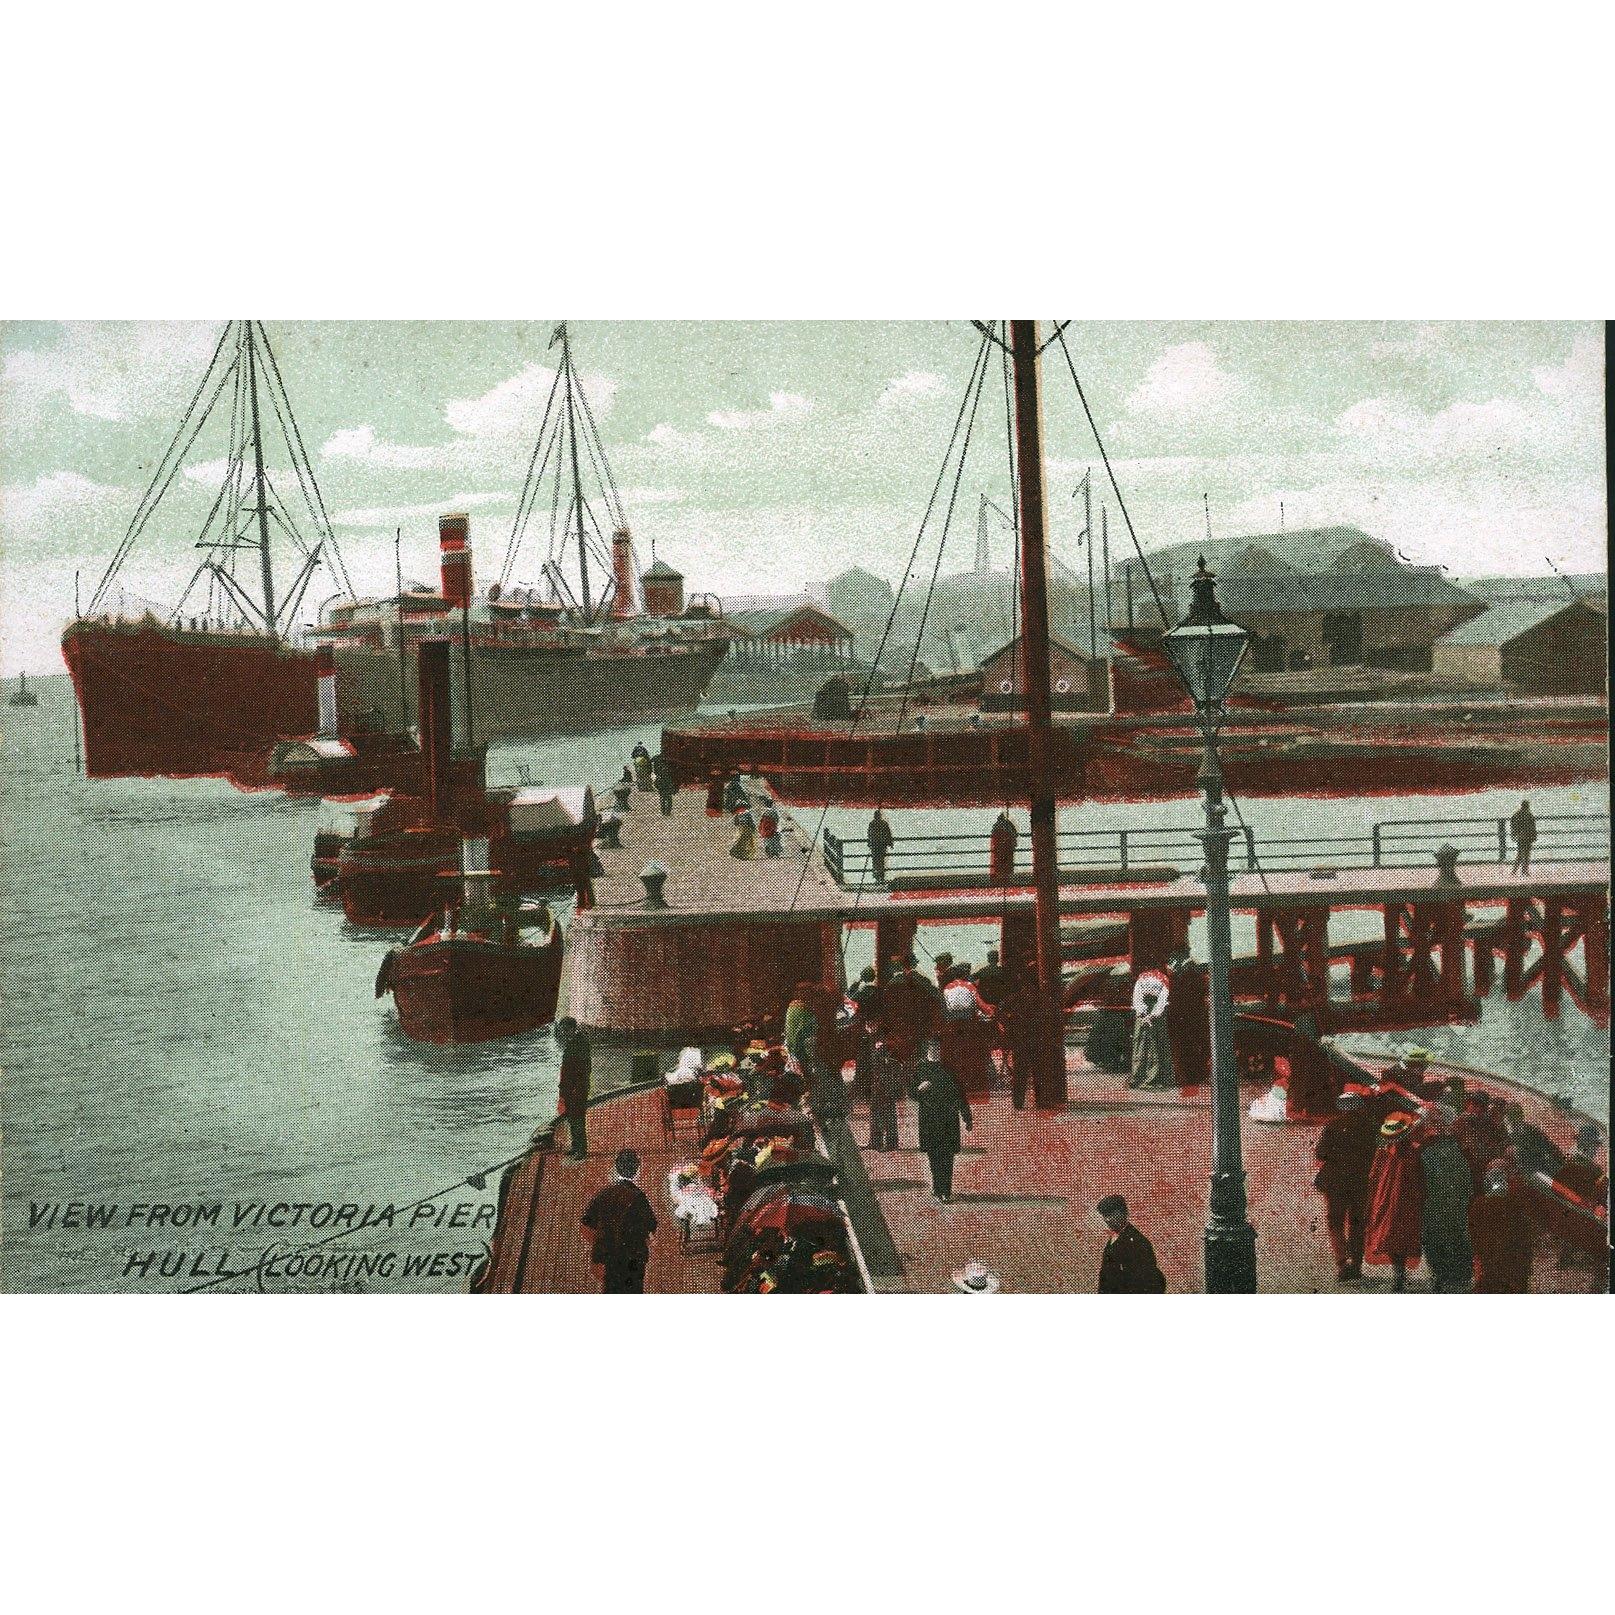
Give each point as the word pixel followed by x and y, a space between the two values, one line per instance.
pixel 1296 974
pixel 1594 912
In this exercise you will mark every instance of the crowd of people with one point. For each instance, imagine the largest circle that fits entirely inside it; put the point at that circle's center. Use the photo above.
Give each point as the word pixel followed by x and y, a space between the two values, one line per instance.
pixel 1414 1167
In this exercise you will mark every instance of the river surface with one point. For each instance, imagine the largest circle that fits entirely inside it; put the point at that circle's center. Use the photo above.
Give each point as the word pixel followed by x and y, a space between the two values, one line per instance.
pixel 183 1025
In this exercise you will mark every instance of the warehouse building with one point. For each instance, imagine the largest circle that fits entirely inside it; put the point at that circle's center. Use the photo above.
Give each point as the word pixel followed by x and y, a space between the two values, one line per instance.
pixel 1531 646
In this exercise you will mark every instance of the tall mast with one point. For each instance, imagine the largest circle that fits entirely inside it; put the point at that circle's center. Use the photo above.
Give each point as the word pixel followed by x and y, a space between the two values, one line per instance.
pixel 1049 1069
pixel 263 492
pixel 403 649
pixel 577 475
pixel 1087 534
pixel 1110 615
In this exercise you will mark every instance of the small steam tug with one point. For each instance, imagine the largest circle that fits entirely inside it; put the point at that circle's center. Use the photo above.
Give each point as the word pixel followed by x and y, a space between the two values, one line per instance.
pixel 404 848
pixel 395 873
pixel 469 974
pixel 360 762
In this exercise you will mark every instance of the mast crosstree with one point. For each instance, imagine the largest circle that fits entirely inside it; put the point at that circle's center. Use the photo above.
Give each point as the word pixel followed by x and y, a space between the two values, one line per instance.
pixel 248 502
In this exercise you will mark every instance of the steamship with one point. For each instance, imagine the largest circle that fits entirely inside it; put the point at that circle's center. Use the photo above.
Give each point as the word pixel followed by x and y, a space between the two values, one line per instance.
pixel 211 685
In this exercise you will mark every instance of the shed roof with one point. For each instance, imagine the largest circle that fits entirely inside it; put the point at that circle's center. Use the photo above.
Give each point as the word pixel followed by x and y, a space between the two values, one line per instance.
pixel 1504 622
pixel 660 569
pixel 760 624
pixel 1056 642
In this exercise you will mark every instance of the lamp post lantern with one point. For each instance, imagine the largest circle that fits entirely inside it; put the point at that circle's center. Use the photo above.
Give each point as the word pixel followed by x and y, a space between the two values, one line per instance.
pixel 1207 649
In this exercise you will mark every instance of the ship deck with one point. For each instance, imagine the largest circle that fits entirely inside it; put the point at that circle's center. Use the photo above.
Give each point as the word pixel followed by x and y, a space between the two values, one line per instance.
pixel 1024 1192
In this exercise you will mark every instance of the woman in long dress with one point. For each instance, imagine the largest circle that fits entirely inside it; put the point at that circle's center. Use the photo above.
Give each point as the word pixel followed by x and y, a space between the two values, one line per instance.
pixel 1395 1221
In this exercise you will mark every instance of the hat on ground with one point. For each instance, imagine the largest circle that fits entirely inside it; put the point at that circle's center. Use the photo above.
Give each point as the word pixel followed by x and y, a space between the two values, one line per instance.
pixel 975 1278
pixel 1351 1093
pixel 1417 1057
pixel 1395 1125
pixel 723 1062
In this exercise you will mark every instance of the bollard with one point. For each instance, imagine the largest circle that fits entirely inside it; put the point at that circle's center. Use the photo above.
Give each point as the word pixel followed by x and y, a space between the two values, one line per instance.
pixel 653 877
pixel 1447 866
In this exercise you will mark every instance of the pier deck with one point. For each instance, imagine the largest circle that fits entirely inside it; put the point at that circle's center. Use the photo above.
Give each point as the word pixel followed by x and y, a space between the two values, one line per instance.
pixel 1024 1192
pixel 705 883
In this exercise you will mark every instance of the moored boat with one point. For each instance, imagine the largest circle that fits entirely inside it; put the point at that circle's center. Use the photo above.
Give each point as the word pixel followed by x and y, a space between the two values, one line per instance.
pixel 469 974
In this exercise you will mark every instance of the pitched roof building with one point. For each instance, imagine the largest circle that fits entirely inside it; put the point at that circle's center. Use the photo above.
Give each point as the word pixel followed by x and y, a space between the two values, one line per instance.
pixel 1535 647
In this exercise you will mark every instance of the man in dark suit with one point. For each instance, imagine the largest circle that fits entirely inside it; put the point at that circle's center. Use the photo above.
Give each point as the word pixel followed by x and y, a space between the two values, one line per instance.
pixel 941 1107
pixel 621 1221
pixel 1345 1156
pixel 1128 1266
pixel 577 1064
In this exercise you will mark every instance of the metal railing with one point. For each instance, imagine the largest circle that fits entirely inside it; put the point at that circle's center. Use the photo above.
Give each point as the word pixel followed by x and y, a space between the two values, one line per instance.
pixel 1127 851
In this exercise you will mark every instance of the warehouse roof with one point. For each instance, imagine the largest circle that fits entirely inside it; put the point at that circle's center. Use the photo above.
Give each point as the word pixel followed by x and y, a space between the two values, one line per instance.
pixel 1504 622
pixel 759 624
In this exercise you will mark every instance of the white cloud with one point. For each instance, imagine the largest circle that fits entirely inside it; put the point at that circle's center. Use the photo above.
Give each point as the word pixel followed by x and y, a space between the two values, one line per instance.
pixel 58 499
pixel 1186 380
pixel 391 516
pixel 1580 379
pixel 1393 430
pixel 912 384
pixel 109 371
pixel 783 409
pixel 491 431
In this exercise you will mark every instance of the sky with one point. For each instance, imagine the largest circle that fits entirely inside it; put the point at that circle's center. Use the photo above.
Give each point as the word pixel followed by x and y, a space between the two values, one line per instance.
pixel 767 457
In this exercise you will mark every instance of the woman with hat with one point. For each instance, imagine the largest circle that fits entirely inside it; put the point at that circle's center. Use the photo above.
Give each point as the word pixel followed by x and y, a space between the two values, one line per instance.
pixel 1395 1200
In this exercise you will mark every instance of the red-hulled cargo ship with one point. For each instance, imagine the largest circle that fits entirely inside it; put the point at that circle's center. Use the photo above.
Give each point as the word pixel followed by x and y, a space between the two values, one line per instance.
pixel 227 677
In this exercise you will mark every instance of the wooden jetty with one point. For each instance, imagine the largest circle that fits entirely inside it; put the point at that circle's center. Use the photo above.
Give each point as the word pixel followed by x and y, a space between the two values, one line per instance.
pixel 731 937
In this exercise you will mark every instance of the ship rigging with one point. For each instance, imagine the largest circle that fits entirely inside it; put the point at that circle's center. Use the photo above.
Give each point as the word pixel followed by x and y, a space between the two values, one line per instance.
pixel 248 505
pixel 568 440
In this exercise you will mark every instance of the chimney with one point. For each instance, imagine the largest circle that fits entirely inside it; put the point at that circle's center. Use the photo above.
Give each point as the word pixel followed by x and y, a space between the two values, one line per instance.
pixel 454 558
pixel 325 672
pixel 436 724
pixel 622 569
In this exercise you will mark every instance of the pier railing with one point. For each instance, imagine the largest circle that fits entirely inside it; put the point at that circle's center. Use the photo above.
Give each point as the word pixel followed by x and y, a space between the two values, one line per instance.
pixel 1129 852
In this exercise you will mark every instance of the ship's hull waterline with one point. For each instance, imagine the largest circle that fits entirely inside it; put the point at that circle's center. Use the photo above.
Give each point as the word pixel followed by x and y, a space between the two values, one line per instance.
pixel 178 702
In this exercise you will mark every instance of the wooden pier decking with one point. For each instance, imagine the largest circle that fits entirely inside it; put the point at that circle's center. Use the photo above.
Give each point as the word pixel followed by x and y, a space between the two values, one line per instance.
pixel 705 883
pixel 1024 1195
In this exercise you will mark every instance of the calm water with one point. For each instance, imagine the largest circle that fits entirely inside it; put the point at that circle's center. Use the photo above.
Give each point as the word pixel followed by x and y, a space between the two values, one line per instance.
pixel 183 1024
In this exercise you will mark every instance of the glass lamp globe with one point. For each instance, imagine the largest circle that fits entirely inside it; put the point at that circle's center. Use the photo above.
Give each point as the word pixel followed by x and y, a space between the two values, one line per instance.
pixel 1206 648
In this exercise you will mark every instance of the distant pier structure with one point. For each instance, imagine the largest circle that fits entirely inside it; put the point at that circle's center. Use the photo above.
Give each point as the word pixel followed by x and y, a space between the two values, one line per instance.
pixel 724 940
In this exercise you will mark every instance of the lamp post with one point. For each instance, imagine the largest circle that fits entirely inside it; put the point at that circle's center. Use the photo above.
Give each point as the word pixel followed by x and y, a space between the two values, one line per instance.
pixel 1207 649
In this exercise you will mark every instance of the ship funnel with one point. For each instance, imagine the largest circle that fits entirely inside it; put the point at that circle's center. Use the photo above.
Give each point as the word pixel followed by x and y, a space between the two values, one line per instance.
pixel 325 671
pixel 622 569
pixel 436 723
pixel 454 559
